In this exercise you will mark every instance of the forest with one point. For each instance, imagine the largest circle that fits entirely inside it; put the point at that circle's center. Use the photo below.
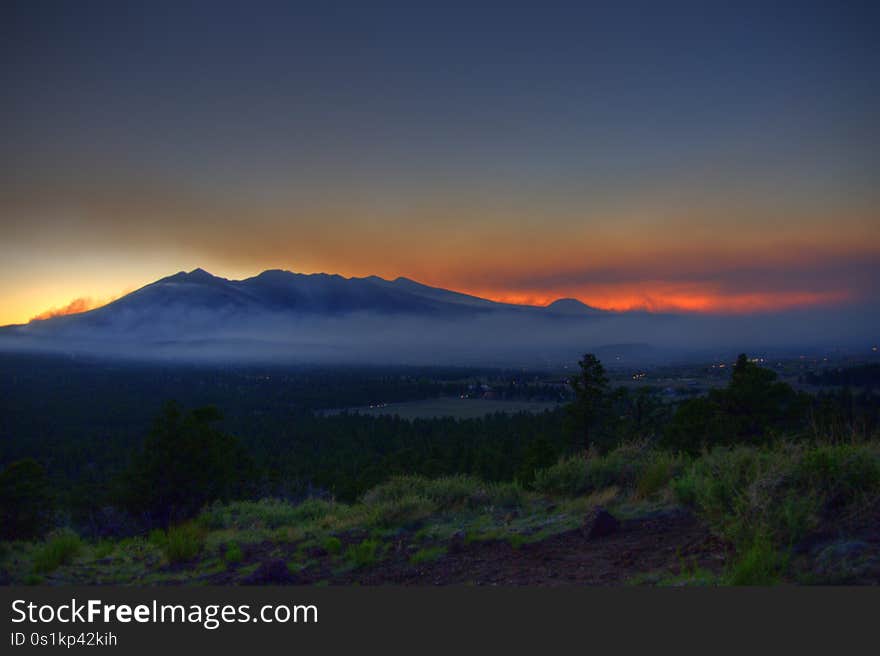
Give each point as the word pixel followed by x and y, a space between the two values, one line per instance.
pixel 111 448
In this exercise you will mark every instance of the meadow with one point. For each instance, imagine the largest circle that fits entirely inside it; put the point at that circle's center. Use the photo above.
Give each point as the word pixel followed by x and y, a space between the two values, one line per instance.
pixel 449 406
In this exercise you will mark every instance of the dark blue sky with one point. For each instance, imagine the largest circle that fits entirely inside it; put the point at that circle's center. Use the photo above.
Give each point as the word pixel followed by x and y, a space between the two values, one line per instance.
pixel 186 127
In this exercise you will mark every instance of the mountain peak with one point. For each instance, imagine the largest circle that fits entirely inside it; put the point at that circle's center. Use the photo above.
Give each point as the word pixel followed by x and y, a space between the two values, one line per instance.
pixel 274 274
pixel 196 275
pixel 570 306
pixel 199 272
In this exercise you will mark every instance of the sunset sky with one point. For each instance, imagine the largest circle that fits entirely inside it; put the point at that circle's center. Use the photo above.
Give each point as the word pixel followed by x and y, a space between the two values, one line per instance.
pixel 662 156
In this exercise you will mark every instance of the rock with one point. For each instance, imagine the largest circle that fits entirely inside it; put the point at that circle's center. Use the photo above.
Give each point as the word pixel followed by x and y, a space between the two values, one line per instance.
pixel 317 552
pixel 271 572
pixel 599 523
pixel 847 561
pixel 456 542
pixel 844 558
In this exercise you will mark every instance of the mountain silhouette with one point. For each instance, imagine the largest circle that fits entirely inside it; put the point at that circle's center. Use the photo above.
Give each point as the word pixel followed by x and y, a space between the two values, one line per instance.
pixel 316 318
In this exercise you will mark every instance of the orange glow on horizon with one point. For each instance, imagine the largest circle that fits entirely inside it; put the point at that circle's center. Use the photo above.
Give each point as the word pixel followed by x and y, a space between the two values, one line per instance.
pixel 703 302
pixel 653 296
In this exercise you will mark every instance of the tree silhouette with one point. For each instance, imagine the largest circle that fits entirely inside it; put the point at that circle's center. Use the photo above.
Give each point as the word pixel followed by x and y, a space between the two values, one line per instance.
pixel 186 462
pixel 590 387
pixel 25 500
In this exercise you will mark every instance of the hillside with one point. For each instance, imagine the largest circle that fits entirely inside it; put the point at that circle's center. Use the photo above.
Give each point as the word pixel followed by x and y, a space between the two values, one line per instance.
pixel 793 513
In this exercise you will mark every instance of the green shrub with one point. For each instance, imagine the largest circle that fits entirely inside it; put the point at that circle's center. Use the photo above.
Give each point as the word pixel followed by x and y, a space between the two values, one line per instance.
pixel 233 554
pixel 621 467
pixel 332 545
pixel 265 513
pixel 657 473
pixel 451 492
pixel 760 564
pixel 401 512
pixel 158 538
pixel 782 492
pixel 59 549
pixel 103 548
pixel 506 495
pixel 843 472
pixel 363 554
pixel 568 477
pixel 576 475
pixel 445 493
pixel 183 543
pixel 311 510
pixel 685 488
pixel 764 500
pixel 427 555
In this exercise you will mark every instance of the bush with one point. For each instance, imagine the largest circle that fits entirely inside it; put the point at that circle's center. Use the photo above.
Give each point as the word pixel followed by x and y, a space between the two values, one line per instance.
pixel 568 477
pixel 158 538
pixel 427 555
pixel 657 474
pixel 60 549
pixel 401 512
pixel 103 548
pixel 332 545
pixel 784 492
pixel 843 472
pixel 576 475
pixel 445 493
pixel 183 543
pixel 506 495
pixel 233 554
pixel 685 488
pixel 363 554
pixel 759 564
pixel 265 513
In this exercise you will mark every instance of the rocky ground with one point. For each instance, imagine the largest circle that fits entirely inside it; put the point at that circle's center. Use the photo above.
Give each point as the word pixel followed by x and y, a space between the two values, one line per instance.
pixel 648 549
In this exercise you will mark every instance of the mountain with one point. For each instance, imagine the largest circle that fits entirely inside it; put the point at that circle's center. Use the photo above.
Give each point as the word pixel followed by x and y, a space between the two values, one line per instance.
pixel 297 316
pixel 284 316
pixel 571 307
pixel 278 292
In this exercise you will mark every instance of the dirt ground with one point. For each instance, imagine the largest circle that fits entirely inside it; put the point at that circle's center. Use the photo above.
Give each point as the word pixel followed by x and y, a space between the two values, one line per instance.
pixel 641 549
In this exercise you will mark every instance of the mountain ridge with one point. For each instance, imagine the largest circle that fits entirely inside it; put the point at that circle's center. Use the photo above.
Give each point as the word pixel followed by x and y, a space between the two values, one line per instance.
pixel 326 318
pixel 304 292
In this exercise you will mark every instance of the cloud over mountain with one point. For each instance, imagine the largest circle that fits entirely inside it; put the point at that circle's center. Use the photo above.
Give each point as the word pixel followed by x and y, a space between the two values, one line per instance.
pixel 279 315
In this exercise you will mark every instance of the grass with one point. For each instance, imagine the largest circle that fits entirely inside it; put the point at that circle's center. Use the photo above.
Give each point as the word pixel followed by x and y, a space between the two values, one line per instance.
pixel 447 493
pixel 183 543
pixel 781 493
pixel 761 500
pixel 103 548
pixel 633 467
pixel 760 564
pixel 363 554
pixel 233 554
pixel 60 549
pixel 427 555
pixel 454 407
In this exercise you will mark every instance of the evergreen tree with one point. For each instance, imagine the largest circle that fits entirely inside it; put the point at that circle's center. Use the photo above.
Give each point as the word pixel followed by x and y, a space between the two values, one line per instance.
pixel 590 387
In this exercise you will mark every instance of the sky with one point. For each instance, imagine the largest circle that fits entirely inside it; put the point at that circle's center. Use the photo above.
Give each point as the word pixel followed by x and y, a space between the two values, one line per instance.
pixel 689 157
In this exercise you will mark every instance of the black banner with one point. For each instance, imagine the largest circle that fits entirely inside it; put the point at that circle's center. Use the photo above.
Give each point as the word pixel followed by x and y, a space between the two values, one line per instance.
pixel 457 620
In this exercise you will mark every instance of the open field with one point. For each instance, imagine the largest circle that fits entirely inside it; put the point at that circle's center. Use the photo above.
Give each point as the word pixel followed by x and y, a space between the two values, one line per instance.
pixel 449 407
